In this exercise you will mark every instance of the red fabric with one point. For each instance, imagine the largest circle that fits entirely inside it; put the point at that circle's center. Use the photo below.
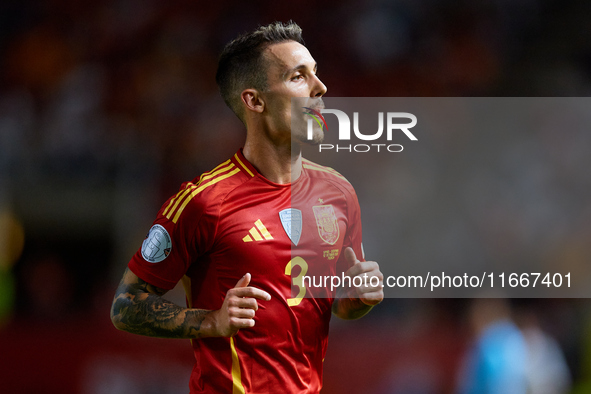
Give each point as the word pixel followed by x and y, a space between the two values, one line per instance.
pixel 285 349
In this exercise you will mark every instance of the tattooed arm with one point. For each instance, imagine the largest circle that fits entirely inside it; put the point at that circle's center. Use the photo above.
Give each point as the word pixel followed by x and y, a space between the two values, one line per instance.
pixel 138 307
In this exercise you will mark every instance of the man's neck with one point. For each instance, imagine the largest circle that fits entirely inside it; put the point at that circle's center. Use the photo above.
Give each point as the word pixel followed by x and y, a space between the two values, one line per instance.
pixel 279 164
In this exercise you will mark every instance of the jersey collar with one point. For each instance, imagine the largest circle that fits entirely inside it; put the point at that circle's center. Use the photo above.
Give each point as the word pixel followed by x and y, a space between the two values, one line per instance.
pixel 244 164
pixel 248 169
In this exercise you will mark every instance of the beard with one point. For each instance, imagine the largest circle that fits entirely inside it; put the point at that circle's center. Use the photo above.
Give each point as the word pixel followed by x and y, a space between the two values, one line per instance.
pixel 306 128
pixel 301 137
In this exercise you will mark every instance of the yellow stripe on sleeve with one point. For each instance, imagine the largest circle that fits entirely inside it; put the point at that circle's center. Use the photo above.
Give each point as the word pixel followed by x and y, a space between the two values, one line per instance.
pixel 215 169
pixel 333 172
pixel 171 202
pixel 199 189
pixel 192 187
pixel 212 174
pixel 179 199
pixel 312 165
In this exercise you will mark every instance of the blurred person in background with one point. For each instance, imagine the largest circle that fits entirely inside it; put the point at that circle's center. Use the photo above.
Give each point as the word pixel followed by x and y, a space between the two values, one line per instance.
pixel 229 234
pixel 547 370
pixel 497 361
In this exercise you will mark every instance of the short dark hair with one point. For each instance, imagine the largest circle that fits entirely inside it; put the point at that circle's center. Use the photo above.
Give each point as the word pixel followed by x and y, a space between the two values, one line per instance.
pixel 242 64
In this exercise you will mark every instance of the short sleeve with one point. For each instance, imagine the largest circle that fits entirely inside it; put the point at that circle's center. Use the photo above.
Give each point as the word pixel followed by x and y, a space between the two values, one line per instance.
pixel 183 230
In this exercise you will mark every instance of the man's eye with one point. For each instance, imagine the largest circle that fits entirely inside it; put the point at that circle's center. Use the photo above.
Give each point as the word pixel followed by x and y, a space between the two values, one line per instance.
pixel 296 77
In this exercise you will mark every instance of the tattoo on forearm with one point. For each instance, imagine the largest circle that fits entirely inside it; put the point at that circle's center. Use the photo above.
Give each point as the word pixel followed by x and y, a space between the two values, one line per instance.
pixel 140 309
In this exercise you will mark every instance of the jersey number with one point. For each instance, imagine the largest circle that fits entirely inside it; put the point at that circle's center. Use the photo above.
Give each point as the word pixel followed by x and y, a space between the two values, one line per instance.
pixel 298 280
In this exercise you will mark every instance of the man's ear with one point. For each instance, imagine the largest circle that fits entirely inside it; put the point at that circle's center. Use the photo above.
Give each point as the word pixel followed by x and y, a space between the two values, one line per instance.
pixel 252 100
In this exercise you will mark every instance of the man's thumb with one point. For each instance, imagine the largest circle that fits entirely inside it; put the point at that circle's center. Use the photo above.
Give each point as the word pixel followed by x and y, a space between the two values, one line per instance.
pixel 350 256
pixel 244 281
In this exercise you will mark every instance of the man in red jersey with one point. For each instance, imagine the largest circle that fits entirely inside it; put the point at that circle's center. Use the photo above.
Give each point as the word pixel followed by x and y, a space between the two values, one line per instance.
pixel 243 235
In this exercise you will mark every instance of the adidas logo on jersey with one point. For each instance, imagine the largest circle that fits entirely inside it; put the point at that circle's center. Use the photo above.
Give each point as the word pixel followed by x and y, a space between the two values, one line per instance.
pixel 258 233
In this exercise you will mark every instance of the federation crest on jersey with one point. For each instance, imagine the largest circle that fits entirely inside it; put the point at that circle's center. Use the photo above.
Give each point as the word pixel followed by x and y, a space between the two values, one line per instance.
pixel 291 219
pixel 326 219
pixel 157 245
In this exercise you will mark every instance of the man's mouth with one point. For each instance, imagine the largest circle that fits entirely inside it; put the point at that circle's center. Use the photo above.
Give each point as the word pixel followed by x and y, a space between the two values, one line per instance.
pixel 319 105
pixel 315 113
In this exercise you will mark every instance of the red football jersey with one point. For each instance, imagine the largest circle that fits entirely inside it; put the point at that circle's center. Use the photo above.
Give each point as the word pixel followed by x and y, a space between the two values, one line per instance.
pixel 231 221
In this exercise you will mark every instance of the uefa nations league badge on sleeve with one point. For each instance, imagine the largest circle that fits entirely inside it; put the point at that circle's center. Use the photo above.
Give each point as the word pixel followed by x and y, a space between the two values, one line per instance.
pixel 157 245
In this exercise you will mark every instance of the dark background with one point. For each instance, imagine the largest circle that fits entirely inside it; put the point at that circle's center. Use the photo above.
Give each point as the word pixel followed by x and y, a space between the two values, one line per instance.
pixel 106 107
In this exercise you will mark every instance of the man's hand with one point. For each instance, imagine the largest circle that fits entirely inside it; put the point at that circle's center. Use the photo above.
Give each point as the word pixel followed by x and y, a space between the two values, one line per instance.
pixel 239 308
pixel 356 301
pixel 366 270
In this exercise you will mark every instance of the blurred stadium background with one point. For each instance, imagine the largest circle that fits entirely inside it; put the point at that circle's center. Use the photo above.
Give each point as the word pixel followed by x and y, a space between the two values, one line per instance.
pixel 106 107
